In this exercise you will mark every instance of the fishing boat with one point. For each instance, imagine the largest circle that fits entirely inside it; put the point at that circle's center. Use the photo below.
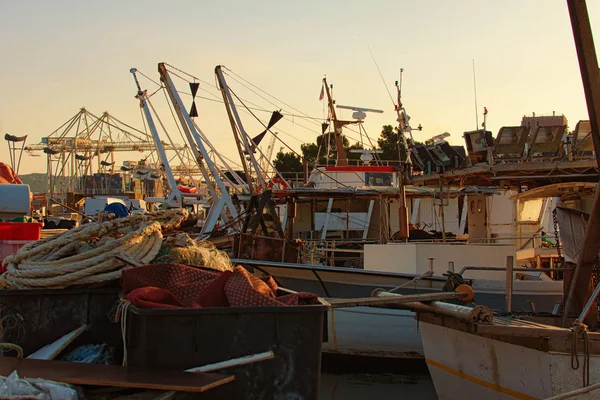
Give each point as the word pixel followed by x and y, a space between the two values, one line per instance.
pixel 501 206
pixel 533 357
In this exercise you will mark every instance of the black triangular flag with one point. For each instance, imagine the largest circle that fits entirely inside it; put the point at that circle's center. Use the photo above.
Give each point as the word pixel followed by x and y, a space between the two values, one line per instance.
pixel 259 138
pixel 276 116
pixel 194 88
pixel 324 127
pixel 193 111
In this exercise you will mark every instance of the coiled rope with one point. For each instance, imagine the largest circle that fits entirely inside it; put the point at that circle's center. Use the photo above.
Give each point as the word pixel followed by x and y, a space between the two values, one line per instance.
pixel 86 255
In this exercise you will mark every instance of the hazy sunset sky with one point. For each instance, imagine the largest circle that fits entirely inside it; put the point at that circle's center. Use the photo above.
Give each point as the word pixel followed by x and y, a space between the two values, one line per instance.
pixel 58 56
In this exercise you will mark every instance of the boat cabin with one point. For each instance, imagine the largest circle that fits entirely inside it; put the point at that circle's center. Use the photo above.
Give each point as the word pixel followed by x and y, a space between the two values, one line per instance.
pixel 362 176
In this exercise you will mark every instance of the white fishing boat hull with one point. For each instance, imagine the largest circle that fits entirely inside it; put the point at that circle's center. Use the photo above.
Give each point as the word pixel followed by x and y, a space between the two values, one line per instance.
pixel 373 332
pixel 469 366
pixel 391 333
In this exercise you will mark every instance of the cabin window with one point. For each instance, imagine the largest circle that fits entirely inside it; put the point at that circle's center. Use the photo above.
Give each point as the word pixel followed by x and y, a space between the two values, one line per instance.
pixel 530 210
pixel 378 179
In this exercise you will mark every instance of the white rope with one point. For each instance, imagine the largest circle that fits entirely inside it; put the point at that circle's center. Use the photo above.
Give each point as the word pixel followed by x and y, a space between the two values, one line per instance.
pixel 121 316
pixel 63 260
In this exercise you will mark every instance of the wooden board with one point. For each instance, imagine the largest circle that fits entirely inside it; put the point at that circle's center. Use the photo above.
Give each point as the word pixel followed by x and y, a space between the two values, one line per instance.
pixel 393 300
pixel 112 375
pixel 50 351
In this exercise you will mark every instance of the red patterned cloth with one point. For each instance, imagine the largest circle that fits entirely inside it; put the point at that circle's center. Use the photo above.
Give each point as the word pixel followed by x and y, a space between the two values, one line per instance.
pixel 176 286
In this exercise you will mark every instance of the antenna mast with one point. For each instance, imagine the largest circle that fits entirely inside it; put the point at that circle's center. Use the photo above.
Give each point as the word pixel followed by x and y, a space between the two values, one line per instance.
pixel 403 120
pixel 342 158
pixel 475 93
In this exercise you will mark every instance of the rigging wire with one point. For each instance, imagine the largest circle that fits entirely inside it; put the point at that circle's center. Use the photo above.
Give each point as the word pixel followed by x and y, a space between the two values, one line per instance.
pixel 382 79
pixel 256 106
pixel 285 144
pixel 302 115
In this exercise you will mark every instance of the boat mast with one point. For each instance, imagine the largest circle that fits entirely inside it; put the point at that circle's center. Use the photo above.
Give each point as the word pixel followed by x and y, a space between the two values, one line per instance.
pixel 221 200
pixel 242 140
pixel 341 158
pixel 175 197
pixel 580 287
pixel 403 118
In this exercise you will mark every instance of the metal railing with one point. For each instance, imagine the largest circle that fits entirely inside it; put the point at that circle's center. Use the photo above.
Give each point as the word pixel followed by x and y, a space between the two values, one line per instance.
pixel 474 268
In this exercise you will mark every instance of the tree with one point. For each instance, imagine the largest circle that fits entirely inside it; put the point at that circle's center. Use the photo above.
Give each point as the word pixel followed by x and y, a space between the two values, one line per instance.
pixel 391 143
pixel 287 162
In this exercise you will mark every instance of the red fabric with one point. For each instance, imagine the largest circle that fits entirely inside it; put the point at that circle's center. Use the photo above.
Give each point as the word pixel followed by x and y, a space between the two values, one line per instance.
pixel 7 175
pixel 176 285
pixel 153 297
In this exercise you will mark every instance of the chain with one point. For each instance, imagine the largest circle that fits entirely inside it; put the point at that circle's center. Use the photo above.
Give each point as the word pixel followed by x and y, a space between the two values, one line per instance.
pixel 560 262
pixel 557 239
pixel 595 280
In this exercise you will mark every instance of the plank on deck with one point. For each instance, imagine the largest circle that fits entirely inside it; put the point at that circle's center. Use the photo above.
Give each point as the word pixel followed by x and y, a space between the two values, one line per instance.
pixel 112 375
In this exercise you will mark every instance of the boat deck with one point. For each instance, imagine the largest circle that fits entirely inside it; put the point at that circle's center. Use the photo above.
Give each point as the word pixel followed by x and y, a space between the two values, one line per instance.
pixel 523 330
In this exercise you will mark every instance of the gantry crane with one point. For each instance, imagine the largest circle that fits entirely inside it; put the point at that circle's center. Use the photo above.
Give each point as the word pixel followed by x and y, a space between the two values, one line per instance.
pixel 86 144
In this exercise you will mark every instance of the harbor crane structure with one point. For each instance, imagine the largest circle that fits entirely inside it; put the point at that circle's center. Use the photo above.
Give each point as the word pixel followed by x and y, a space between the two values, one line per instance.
pixel 86 144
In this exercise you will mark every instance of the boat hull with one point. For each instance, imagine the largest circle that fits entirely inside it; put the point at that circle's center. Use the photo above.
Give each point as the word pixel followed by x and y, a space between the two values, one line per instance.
pixel 462 363
pixel 388 333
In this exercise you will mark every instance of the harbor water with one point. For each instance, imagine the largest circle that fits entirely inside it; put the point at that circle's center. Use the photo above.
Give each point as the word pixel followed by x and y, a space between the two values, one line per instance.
pixel 376 386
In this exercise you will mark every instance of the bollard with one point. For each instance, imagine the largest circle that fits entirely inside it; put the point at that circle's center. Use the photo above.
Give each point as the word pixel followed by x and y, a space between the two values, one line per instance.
pixel 431 264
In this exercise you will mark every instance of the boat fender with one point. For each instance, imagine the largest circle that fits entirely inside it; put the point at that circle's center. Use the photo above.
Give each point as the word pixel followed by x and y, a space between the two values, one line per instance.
pixel 464 288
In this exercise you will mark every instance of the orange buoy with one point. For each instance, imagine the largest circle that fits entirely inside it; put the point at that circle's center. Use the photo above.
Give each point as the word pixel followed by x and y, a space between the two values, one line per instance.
pixel 464 288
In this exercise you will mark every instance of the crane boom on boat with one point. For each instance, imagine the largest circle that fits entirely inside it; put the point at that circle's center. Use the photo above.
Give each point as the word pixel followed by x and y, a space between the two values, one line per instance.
pixel 222 202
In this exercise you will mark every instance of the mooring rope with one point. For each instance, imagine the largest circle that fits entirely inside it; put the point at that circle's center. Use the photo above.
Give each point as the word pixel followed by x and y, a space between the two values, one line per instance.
pixel 579 328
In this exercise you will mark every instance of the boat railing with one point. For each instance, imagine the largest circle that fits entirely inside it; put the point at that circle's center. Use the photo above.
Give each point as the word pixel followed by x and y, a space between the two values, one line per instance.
pixel 510 270
pixel 476 268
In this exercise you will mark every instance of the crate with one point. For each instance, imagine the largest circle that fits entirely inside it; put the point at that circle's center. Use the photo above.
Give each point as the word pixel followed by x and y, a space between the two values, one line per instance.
pixel 179 339
pixel 20 230
pixel 10 247
pixel 43 316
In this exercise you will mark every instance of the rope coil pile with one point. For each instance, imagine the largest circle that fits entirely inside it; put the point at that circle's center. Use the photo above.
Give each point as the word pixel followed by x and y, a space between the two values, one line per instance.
pixel 86 255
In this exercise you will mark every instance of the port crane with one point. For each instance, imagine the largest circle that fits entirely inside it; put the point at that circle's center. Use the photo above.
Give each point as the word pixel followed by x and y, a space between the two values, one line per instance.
pixel 86 144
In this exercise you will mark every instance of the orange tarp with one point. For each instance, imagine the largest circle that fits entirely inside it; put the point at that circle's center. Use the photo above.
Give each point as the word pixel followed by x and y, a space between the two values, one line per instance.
pixel 7 175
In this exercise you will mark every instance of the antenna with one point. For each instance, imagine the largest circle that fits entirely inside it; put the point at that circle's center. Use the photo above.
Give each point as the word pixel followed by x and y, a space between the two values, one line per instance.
pixel 438 138
pixel 359 112
pixel 366 156
pixel 475 92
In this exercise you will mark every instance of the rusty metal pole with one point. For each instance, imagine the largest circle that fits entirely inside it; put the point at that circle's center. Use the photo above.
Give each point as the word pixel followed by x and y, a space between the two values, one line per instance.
pixel 580 287
pixel 402 210
pixel 509 284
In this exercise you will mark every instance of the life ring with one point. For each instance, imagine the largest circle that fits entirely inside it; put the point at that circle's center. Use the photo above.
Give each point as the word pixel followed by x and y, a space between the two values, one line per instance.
pixel 187 189
pixel 281 184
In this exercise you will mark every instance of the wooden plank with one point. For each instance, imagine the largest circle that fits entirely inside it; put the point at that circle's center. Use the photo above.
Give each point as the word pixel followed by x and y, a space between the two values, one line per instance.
pixel 394 300
pixel 580 287
pixel 522 331
pixel 50 351
pixel 234 362
pixel 112 375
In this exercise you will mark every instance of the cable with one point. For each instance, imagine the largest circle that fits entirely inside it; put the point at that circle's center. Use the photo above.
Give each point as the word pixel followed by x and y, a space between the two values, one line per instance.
pixel 382 79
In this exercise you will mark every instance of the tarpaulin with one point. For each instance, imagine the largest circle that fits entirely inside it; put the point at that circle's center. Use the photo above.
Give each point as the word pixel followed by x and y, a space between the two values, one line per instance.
pixel 7 175
pixel 175 286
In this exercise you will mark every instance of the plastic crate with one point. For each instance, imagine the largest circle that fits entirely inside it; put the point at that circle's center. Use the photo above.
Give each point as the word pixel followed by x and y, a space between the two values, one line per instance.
pixel 9 247
pixel 178 339
pixel 20 230
pixel 43 316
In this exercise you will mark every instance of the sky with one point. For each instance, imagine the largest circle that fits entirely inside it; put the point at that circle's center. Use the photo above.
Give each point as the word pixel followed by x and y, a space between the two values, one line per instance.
pixel 59 56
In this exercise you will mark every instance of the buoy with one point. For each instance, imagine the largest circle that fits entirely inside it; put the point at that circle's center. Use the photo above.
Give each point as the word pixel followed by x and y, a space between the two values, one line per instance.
pixel 464 288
